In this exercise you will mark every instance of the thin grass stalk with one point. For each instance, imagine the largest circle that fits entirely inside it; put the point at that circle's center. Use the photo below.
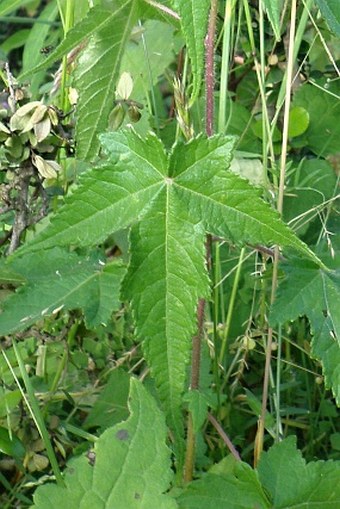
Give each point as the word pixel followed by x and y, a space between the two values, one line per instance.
pixel 265 114
pixel 153 97
pixel 290 63
pixel 225 66
pixel 34 409
pixel 231 305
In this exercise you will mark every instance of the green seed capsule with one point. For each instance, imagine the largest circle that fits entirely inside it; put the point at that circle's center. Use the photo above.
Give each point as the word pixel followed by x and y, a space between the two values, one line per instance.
pixel 116 117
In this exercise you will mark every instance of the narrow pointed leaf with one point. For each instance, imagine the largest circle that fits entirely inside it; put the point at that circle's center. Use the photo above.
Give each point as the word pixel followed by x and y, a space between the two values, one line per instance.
pixel 308 290
pixel 59 281
pixel 98 18
pixel 330 10
pixel 110 197
pixel 96 75
pixel 194 21
pixel 227 204
pixel 273 10
pixel 165 280
pixel 8 6
pixel 131 467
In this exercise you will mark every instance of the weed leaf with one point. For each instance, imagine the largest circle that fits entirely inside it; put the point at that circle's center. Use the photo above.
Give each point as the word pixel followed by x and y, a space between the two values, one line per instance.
pixel 311 291
pixel 273 9
pixel 294 484
pixel 62 280
pixel 331 11
pixel 230 484
pixel 194 20
pixel 96 76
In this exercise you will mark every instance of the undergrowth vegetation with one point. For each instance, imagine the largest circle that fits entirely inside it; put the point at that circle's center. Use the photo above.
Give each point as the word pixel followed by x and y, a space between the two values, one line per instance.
pixel 170 286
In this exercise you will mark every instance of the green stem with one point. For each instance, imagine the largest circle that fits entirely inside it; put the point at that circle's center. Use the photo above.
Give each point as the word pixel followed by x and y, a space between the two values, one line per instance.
pixel 34 409
pixel 290 64
pixel 265 115
pixel 153 97
pixel 226 54
pixel 231 305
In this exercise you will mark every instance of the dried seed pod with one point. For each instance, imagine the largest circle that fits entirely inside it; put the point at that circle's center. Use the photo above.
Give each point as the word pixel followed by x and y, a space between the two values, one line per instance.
pixel 134 113
pixel 47 169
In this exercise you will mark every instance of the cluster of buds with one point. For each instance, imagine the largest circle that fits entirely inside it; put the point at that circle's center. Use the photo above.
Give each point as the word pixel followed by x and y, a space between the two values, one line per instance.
pixel 124 105
pixel 26 134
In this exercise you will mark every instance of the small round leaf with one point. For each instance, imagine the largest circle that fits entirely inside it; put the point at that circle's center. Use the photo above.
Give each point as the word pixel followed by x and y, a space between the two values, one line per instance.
pixel 298 121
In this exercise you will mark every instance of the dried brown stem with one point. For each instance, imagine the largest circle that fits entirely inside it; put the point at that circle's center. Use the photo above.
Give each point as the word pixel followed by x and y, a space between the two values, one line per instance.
pixel 224 437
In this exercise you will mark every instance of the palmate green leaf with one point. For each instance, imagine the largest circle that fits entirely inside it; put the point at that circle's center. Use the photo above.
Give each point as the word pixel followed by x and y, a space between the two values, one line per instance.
pixel 170 201
pixel 62 280
pixel 330 10
pixel 194 21
pixel 131 467
pixel 293 484
pixel 311 291
pixel 273 9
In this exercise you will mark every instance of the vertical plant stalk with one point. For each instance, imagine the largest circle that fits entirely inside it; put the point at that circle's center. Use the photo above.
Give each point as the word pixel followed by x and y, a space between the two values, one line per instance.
pixel 231 305
pixel 209 69
pixel 196 342
pixel 225 65
pixel 290 65
pixel 67 25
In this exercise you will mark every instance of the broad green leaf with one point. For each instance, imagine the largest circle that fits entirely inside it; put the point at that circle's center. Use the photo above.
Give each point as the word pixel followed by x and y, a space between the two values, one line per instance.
pixel 97 72
pixel 194 21
pixel 62 280
pixel 9 400
pixel 293 484
pixel 308 290
pixel 131 467
pixel 273 9
pixel 8 6
pixel 331 12
pixel 323 133
pixel 165 280
pixel 238 488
